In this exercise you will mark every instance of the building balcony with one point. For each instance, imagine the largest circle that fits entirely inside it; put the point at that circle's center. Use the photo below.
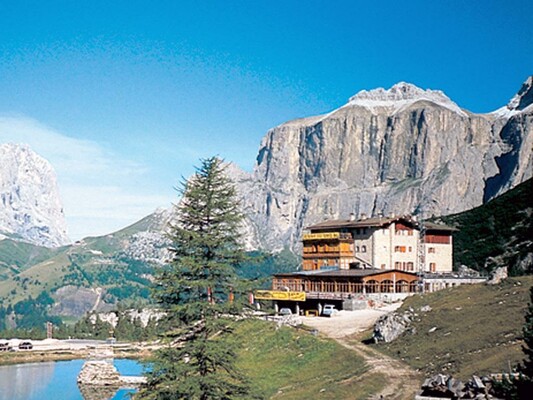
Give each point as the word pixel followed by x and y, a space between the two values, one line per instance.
pixel 327 236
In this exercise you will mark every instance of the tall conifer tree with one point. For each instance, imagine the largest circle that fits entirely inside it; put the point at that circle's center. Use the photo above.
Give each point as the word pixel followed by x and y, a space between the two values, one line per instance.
pixel 197 289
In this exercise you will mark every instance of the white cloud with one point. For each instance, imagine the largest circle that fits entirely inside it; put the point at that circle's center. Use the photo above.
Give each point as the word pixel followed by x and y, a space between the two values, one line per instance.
pixel 95 183
pixel 72 158
pixel 90 209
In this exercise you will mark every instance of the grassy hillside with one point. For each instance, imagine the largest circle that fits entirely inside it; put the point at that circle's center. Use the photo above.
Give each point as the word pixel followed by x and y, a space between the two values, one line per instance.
pixel 114 262
pixel 478 329
pixel 17 256
pixel 122 277
pixel 497 233
pixel 122 263
pixel 289 364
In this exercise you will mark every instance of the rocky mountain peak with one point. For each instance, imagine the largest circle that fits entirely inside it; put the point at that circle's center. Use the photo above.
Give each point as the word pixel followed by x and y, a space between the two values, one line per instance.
pixel 404 150
pixel 524 97
pixel 30 205
pixel 400 95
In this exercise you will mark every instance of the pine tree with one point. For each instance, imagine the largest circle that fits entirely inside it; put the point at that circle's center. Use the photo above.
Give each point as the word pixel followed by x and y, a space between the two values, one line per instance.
pixel 196 290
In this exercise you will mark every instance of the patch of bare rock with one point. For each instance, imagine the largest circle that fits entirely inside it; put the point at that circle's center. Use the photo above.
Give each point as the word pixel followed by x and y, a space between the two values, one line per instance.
pixel 446 387
pixel 99 380
pixel 390 326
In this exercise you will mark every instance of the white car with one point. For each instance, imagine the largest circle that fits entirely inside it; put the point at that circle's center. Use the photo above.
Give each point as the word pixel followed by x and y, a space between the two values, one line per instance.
pixel 329 310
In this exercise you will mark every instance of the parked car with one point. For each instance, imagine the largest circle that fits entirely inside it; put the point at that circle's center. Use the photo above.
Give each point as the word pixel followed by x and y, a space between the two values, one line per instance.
pixel 4 346
pixel 285 311
pixel 25 346
pixel 329 310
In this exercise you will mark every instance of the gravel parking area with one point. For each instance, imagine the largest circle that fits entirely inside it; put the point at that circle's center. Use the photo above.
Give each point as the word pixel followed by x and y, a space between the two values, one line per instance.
pixel 346 323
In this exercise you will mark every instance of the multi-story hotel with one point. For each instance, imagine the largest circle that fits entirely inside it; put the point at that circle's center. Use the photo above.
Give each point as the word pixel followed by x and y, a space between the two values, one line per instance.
pixel 348 261
pixel 399 243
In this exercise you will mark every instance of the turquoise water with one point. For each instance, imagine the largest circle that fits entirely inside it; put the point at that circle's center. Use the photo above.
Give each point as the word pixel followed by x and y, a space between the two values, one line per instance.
pixel 53 380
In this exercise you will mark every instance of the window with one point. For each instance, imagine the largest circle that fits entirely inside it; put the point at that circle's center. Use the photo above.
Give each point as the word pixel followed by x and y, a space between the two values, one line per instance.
pixel 387 286
pixel 402 286
pixel 432 267
pixel 410 249
pixel 383 266
pixel 399 249
pixel 431 250
pixel 397 265
pixel 371 286
pixel 410 266
pixel 357 249
pixel 363 249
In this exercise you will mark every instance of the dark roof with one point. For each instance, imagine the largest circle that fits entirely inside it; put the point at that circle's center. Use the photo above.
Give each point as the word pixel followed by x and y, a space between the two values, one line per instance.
pixel 343 272
pixel 346 223
pixel 431 226
pixel 376 222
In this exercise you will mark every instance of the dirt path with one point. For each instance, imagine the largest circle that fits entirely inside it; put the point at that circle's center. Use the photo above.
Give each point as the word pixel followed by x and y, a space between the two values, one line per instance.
pixel 402 381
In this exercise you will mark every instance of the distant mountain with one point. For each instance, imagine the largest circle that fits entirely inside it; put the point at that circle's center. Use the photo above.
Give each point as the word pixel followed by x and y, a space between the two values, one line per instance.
pixel 96 273
pixel 30 205
pixel 402 150
pixel 496 234
pixel 92 274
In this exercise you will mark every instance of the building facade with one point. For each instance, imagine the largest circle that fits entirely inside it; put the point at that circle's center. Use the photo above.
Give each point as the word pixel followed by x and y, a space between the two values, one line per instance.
pixel 349 262
pixel 399 243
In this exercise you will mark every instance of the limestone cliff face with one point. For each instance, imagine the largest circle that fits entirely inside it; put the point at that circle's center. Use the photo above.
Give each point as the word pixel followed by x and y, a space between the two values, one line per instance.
pixel 30 205
pixel 402 150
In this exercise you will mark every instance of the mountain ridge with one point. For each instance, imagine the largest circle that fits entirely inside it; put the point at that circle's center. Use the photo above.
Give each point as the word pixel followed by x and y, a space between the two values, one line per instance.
pixel 425 157
pixel 29 195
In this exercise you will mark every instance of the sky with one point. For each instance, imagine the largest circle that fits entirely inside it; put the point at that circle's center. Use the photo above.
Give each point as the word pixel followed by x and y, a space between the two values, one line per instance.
pixel 124 97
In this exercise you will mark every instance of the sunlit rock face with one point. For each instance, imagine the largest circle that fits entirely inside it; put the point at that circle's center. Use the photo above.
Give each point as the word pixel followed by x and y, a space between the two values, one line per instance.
pixel 30 205
pixel 402 150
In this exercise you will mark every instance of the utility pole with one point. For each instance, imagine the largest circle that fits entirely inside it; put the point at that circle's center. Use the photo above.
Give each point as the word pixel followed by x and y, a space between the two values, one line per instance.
pixel 49 330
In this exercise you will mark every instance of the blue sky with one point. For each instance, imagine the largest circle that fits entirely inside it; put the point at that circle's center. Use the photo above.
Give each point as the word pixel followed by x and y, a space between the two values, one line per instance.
pixel 133 93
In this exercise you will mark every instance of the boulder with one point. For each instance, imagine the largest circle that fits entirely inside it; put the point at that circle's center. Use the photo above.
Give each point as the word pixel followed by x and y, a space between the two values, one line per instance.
pixel 441 386
pixel 497 275
pixel 390 326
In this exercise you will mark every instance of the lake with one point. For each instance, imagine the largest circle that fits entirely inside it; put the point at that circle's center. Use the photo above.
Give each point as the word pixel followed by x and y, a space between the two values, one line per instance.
pixel 53 380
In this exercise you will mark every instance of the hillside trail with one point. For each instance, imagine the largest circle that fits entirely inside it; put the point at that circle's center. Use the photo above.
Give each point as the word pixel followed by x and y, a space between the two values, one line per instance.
pixel 402 381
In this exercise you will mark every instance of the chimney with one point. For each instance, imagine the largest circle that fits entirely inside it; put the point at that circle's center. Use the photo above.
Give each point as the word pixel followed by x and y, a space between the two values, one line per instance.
pixel 352 217
pixel 363 216
pixel 392 215
pixel 380 215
